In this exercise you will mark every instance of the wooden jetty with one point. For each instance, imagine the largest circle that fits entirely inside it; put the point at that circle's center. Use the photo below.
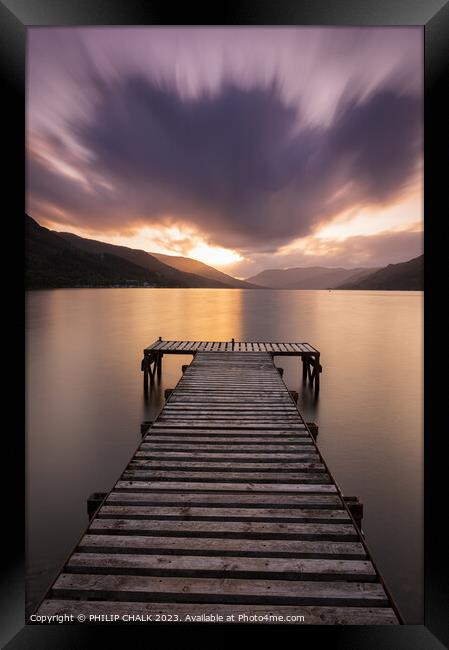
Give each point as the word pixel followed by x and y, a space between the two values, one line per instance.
pixel 227 508
pixel 310 356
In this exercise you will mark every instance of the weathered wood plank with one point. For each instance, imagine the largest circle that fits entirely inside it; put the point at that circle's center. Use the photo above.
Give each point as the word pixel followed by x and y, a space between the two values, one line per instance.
pixel 149 588
pixel 241 409
pixel 299 434
pixel 251 422
pixel 232 441
pixel 238 381
pixel 300 446
pixel 247 547
pixel 224 487
pixel 221 567
pixel 231 444
pixel 182 399
pixel 222 529
pixel 142 473
pixel 225 467
pixel 224 459
pixel 227 456
pixel 255 500
pixel 220 437
pixel 226 514
pixel 217 421
pixel 205 428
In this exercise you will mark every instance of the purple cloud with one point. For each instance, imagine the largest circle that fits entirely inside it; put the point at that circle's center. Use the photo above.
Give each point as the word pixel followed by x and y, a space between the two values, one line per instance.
pixel 239 159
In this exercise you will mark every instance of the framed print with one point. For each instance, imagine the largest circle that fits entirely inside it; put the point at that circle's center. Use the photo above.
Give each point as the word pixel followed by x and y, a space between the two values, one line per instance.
pixel 231 387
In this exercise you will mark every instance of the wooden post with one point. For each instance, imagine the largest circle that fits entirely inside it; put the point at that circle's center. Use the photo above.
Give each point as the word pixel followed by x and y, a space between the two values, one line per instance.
pixel 280 371
pixel 294 394
pixel 144 367
pixel 159 364
pixel 305 363
pixel 184 367
pixel 168 392
pixel 317 370
pixel 310 368
pixel 313 428
pixel 94 502
pixel 356 510
pixel 233 343
pixel 145 427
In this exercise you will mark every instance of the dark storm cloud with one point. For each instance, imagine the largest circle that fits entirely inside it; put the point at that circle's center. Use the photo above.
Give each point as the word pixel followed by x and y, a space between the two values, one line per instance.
pixel 379 140
pixel 239 163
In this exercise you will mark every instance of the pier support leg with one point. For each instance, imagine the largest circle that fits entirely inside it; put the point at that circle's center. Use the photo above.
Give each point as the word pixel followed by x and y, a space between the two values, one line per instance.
pixel 94 502
pixel 313 428
pixel 149 366
pixel 311 369
pixel 316 374
pixel 356 510
pixel 159 365
pixel 144 367
pixel 145 427
pixel 305 363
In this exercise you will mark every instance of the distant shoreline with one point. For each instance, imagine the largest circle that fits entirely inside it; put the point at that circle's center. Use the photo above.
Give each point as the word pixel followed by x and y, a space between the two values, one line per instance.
pixel 223 289
pixel 66 261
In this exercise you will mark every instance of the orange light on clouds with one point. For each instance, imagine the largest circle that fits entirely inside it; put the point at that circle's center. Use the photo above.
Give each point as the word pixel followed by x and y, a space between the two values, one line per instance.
pixel 404 215
pixel 327 240
pixel 169 240
pixel 214 255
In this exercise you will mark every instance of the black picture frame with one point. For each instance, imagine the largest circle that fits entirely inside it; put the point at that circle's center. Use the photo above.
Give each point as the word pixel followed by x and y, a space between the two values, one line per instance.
pixel 15 17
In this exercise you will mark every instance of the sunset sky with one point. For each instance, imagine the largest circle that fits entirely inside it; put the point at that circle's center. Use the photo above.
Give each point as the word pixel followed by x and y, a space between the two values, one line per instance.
pixel 245 148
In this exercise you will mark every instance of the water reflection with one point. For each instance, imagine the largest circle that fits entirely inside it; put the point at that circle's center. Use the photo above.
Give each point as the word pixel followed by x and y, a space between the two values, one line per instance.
pixel 85 402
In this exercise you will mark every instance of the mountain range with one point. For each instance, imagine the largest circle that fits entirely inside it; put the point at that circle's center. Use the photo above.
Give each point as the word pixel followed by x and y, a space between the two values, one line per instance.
pixel 405 276
pixel 308 277
pixel 188 265
pixel 60 259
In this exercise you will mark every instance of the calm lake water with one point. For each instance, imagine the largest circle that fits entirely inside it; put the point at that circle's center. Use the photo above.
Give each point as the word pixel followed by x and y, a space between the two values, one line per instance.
pixel 85 403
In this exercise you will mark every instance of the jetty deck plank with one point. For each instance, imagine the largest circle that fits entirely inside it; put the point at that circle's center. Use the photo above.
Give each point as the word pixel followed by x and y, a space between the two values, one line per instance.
pixel 189 347
pixel 227 507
